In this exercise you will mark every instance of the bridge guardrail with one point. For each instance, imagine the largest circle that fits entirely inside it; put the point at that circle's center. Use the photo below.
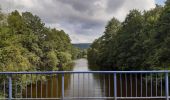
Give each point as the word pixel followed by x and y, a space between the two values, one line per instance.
pixel 118 84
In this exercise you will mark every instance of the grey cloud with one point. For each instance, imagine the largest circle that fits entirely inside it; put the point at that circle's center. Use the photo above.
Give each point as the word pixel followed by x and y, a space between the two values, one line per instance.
pixel 83 20
pixel 81 6
pixel 114 5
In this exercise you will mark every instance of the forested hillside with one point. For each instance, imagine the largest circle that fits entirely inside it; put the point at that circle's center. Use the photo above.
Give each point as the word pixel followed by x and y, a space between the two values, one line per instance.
pixel 82 45
pixel 27 45
pixel 141 41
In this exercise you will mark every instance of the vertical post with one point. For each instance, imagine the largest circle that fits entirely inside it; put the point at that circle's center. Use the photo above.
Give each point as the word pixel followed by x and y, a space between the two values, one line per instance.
pixel 115 86
pixel 10 88
pixel 167 86
pixel 62 86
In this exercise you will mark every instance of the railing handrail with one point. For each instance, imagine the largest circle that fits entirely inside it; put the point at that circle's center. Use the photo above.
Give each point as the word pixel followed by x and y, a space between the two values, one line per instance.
pixel 115 73
pixel 62 72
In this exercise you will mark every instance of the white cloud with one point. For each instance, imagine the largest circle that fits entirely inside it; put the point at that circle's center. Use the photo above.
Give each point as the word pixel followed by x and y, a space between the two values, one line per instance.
pixel 83 20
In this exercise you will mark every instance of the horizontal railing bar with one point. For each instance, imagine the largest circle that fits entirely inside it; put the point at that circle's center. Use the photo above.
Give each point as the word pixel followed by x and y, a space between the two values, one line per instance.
pixel 94 98
pixel 141 97
pixel 36 98
pixel 62 72
pixel 114 97
pixel 93 72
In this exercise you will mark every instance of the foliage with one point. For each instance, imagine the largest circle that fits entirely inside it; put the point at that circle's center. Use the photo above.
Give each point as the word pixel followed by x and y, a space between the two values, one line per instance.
pixel 27 45
pixel 64 57
pixel 141 41
pixel 82 45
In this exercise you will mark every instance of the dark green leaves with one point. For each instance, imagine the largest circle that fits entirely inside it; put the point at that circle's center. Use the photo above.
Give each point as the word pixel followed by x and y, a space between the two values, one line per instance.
pixel 139 42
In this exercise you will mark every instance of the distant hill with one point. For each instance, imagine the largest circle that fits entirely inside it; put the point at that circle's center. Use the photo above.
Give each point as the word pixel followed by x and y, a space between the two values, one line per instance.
pixel 82 45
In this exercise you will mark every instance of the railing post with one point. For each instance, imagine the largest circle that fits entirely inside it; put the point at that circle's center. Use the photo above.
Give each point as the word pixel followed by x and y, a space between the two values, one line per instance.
pixel 62 86
pixel 115 86
pixel 167 86
pixel 10 88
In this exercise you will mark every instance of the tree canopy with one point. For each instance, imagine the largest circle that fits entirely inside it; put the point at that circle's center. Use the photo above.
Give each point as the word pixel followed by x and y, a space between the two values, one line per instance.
pixel 140 42
pixel 27 45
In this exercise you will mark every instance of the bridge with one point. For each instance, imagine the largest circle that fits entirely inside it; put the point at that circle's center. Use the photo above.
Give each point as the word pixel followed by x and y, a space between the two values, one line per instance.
pixel 114 85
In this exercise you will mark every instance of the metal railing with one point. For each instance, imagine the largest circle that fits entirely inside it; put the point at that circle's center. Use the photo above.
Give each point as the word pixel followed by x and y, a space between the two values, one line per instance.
pixel 85 85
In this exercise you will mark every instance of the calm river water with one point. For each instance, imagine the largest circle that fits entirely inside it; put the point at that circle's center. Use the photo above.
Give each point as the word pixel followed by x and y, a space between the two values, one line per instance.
pixel 90 85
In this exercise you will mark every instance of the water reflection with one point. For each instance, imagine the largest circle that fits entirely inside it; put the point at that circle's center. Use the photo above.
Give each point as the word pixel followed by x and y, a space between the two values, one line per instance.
pixel 93 85
pixel 83 85
pixel 47 89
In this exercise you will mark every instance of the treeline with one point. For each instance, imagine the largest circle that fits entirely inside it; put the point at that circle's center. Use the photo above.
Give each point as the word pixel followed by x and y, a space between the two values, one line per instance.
pixel 26 44
pixel 80 53
pixel 140 42
pixel 82 45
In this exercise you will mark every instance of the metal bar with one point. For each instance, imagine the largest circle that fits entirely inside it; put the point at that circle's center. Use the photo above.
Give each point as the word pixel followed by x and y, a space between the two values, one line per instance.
pixel 41 88
pixel 121 85
pixel 31 85
pixel 131 85
pixel 75 98
pixel 36 87
pixel 83 85
pixel 115 87
pixel 161 84
pixel 104 85
pixel 156 85
pixel 56 85
pixel 144 79
pixel 136 85
pixel 51 86
pixel 46 90
pixel 109 85
pixel 61 72
pixel 141 84
pixel 126 83
pixel 151 84
pixel 10 87
pixel 73 84
pixel 166 86
pixel 99 81
pixel 146 85
pixel 78 85
pixel 93 86
pixel 63 86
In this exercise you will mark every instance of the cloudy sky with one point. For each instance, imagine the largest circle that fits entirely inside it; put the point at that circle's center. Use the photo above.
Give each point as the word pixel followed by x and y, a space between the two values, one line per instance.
pixel 83 20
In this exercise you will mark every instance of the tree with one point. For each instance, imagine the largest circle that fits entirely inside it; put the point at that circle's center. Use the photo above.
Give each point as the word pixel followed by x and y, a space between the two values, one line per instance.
pixel 139 42
pixel 161 40
pixel 107 47
pixel 39 46
pixel 27 45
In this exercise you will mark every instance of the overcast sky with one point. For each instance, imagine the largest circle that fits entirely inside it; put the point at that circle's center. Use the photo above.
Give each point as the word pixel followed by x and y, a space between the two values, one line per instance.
pixel 83 20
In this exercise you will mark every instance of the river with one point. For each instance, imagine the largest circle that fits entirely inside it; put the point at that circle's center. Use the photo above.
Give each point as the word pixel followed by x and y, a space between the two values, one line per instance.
pixel 88 85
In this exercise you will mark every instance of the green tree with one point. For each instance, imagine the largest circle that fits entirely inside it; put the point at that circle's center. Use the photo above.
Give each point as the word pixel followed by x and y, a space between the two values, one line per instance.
pixel 139 42
pixel 160 57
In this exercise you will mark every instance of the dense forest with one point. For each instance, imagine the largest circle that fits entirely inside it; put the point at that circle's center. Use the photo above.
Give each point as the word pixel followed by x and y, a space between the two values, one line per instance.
pixel 27 45
pixel 82 45
pixel 140 42
pixel 82 49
